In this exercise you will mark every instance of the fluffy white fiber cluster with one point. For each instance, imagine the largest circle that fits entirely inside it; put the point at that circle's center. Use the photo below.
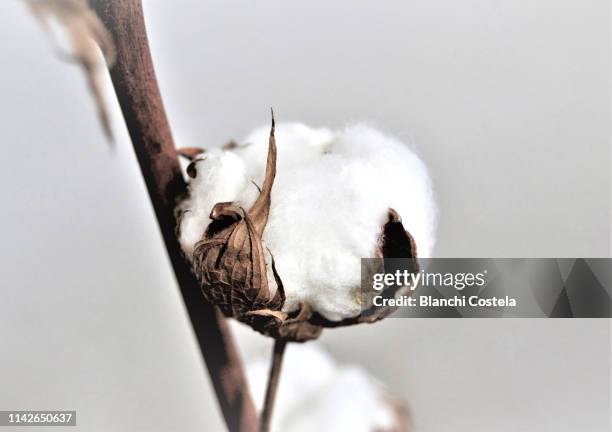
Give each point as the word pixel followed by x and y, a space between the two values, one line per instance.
pixel 329 201
pixel 318 394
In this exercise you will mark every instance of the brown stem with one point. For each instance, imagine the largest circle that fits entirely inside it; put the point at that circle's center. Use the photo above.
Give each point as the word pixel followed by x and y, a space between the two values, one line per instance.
pixel 136 87
pixel 273 378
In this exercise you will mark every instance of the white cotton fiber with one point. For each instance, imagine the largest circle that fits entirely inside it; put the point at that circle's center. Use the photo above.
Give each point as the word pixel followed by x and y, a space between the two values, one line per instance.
pixel 317 394
pixel 329 201
pixel 301 144
pixel 220 177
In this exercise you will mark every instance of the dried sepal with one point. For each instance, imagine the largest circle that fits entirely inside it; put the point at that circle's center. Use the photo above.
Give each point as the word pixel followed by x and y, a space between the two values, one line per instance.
pixel 234 267
pixel 86 33
pixel 299 327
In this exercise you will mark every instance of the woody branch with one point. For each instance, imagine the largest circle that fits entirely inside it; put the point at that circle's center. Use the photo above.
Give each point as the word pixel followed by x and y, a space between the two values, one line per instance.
pixel 135 85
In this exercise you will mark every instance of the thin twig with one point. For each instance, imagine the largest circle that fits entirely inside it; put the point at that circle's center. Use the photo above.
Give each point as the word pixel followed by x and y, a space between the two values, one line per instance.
pixel 138 94
pixel 273 378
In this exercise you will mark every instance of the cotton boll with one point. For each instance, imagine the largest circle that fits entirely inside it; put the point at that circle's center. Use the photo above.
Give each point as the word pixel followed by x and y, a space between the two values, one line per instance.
pixel 329 202
pixel 316 393
pixel 352 401
pixel 306 369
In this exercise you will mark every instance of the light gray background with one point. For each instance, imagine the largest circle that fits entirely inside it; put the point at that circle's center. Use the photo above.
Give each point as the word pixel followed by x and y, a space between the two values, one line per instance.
pixel 508 103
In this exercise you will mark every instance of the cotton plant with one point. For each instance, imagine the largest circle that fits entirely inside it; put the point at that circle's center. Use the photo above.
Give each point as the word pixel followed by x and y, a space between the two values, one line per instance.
pixel 275 225
pixel 274 236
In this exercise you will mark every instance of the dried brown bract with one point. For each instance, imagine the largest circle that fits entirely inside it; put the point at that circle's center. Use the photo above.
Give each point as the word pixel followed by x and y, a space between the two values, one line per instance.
pixel 86 33
pixel 234 267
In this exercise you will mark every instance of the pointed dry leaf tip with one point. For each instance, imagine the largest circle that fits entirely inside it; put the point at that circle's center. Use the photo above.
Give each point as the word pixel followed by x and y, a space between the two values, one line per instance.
pixel 260 210
pixel 86 33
